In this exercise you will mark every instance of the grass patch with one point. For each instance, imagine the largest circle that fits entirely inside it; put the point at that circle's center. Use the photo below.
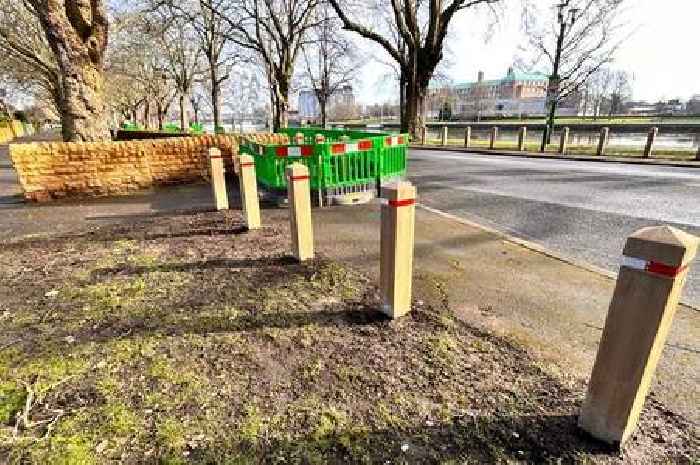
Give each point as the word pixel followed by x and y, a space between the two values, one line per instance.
pixel 212 348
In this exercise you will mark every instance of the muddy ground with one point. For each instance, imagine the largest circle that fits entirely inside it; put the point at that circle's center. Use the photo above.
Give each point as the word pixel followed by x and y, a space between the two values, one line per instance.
pixel 182 338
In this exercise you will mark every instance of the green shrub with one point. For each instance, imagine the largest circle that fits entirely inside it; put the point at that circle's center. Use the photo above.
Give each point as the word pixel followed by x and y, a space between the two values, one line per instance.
pixel 171 128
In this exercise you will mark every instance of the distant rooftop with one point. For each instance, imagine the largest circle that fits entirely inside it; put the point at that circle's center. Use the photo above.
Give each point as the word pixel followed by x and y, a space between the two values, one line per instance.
pixel 511 75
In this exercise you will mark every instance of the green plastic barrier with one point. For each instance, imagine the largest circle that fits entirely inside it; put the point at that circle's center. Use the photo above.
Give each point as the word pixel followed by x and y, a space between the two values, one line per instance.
pixel 343 159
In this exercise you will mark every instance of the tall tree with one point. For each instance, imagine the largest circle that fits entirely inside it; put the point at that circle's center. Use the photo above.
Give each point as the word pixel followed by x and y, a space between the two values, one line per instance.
pixel 422 27
pixel 77 33
pixel 27 63
pixel 329 58
pixel 213 34
pixel 575 42
pixel 274 31
pixel 183 58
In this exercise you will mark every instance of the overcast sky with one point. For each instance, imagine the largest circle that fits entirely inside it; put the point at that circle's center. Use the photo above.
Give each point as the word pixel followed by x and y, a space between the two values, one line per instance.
pixel 662 53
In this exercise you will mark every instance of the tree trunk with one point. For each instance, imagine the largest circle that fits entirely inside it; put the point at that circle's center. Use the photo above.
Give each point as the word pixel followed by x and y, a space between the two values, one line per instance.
pixel 281 101
pixel 77 33
pixel 402 98
pixel 184 123
pixel 415 109
pixel 215 97
pixel 159 110
pixel 147 115
pixel 322 105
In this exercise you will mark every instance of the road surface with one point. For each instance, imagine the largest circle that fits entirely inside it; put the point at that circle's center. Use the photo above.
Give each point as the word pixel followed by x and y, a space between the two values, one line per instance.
pixel 583 210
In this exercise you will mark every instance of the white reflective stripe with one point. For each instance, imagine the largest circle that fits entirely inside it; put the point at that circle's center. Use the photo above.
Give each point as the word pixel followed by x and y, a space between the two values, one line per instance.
pixel 293 151
pixel 634 263
pixel 395 140
pixel 351 148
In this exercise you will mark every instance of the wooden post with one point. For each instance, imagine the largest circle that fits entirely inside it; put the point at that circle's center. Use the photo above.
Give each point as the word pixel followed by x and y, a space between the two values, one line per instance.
pixel 396 245
pixel 218 181
pixel 494 136
pixel 423 135
pixel 299 138
pixel 321 139
pixel 564 141
pixel 444 135
pixel 299 196
pixel 651 138
pixel 249 191
pixel 522 137
pixel 653 272
pixel 603 142
pixel 545 139
pixel 467 137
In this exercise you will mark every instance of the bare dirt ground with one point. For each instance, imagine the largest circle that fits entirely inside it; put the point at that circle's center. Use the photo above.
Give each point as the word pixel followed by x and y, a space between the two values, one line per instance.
pixel 181 338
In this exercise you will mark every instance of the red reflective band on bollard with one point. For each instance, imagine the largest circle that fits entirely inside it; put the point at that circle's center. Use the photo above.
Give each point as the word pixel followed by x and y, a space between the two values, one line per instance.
pixel 652 267
pixel 401 203
pixel 298 178
pixel 243 165
pixel 665 270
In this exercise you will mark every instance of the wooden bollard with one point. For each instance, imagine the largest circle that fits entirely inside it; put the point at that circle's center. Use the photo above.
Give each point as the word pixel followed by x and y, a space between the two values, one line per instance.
pixel 444 136
pixel 218 181
pixel 396 245
pixel 494 136
pixel 564 141
pixel 299 196
pixel 654 269
pixel 651 138
pixel 320 138
pixel 467 137
pixel 522 137
pixel 424 135
pixel 299 138
pixel 249 191
pixel 603 142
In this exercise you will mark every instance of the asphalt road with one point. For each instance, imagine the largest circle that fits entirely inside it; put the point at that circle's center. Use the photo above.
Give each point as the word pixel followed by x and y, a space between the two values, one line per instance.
pixel 583 210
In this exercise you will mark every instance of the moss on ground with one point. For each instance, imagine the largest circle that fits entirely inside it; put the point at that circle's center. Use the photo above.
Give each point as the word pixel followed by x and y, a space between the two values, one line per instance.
pixel 172 342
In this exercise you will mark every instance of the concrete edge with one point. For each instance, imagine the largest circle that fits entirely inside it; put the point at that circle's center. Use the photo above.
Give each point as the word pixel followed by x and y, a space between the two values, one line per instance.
pixel 554 156
pixel 533 247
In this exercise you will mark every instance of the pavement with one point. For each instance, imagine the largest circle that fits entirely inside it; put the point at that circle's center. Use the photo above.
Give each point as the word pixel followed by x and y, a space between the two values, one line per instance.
pixel 554 309
pixel 577 209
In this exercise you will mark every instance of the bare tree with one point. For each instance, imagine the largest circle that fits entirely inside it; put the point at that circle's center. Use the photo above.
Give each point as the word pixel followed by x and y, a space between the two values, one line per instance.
pixel 576 42
pixel 213 34
pixel 422 28
pixel 183 58
pixel 274 31
pixel 27 63
pixel 621 91
pixel 77 32
pixel 597 88
pixel 329 59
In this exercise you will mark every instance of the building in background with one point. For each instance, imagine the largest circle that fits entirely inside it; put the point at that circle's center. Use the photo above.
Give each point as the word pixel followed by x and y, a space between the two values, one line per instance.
pixel 340 106
pixel 517 94
pixel 308 105
pixel 693 105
